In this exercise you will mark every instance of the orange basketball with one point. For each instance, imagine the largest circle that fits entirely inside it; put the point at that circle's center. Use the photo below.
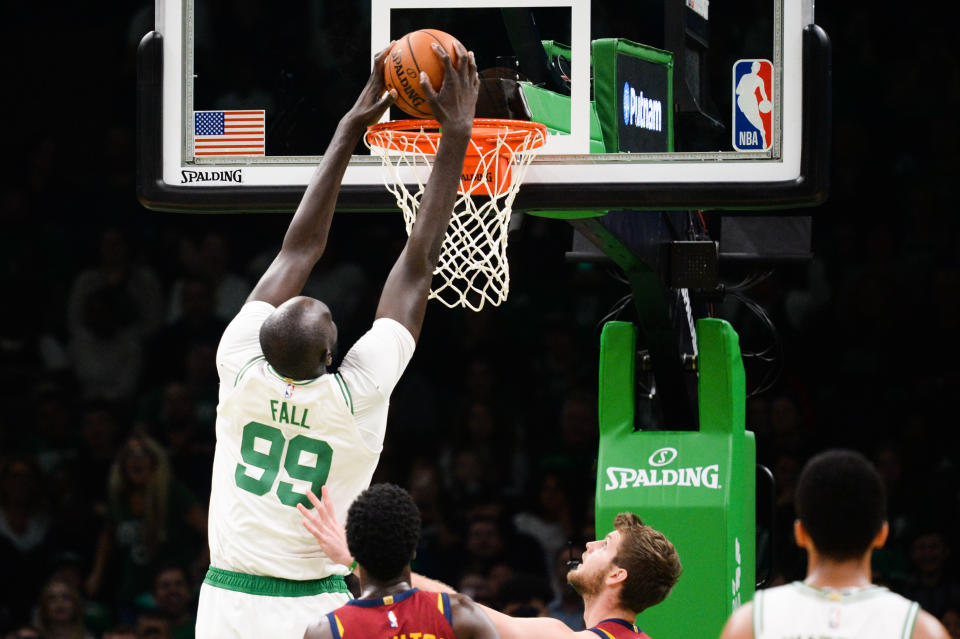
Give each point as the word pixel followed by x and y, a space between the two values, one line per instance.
pixel 410 55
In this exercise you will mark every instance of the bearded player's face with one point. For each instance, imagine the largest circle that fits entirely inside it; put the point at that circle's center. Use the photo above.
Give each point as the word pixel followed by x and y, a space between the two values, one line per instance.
pixel 588 577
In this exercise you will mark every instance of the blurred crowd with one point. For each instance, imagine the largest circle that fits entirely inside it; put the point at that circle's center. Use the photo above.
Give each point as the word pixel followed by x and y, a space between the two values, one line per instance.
pixel 112 316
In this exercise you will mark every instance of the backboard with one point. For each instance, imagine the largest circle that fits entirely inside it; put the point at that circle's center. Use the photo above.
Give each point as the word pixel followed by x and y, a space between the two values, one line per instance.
pixel 653 104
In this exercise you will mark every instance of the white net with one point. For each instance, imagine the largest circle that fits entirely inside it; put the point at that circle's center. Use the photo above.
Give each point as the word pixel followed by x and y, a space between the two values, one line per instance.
pixel 473 269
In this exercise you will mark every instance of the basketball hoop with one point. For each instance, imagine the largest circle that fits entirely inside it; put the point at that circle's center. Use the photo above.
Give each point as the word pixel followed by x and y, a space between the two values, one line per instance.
pixel 473 265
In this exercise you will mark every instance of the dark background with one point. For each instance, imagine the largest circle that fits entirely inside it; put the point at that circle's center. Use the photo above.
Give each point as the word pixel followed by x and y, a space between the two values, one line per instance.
pixel 111 315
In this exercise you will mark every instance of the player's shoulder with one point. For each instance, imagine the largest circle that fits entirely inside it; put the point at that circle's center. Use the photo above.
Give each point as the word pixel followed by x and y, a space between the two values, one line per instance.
pixel 458 601
pixel 929 627
pixel 464 612
pixel 740 623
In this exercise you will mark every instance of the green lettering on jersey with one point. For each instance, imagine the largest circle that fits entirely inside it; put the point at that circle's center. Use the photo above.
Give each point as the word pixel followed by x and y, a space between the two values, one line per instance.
pixel 314 467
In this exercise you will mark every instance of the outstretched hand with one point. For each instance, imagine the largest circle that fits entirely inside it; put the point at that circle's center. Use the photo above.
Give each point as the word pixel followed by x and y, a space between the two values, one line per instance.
pixel 323 525
pixel 456 103
pixel 374 99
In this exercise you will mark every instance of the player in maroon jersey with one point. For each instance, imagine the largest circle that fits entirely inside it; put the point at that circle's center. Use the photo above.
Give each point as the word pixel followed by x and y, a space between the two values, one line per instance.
pixel 631 569
pixel 383 525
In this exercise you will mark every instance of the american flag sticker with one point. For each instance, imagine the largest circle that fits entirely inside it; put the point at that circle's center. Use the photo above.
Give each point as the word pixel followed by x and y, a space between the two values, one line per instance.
pixel 228 133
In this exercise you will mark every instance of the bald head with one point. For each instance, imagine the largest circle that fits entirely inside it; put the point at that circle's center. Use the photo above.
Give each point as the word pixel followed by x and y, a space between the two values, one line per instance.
pixel 299 338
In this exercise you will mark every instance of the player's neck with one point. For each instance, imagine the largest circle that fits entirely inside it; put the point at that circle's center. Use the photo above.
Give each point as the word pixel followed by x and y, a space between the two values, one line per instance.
pixel 375 589
pixel 604 605
pixel 823 572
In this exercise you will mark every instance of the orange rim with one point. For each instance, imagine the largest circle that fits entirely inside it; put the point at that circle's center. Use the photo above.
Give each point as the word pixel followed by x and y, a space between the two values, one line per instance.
pixel 487 133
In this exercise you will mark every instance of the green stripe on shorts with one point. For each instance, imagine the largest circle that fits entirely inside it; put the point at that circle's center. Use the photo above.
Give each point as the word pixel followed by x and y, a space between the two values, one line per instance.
pixel 273 586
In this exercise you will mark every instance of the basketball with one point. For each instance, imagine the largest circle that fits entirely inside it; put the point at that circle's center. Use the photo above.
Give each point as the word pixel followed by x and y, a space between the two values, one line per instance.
pixel 765 106
pixel 410 55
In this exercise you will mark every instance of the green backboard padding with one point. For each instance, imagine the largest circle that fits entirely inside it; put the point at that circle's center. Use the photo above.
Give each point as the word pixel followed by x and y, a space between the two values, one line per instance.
pixel 553 111
pixel 606 88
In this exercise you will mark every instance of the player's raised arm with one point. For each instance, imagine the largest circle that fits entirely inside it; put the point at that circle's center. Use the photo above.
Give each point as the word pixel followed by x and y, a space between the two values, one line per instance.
pixel 404 296
pixel 306 236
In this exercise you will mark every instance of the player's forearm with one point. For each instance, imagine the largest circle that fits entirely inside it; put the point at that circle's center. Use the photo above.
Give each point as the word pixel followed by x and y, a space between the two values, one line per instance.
pixel 311 223
pixel 426 238
pixel 525 627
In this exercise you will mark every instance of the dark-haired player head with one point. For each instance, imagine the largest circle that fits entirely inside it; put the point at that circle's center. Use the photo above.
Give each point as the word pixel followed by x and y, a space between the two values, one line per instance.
pixel 841 507
pixel 382 530
pixel 383 527
pixel 841 518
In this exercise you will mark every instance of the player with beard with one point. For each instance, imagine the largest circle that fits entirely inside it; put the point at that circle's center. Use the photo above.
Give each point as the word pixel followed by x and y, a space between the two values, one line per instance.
pixel 631 569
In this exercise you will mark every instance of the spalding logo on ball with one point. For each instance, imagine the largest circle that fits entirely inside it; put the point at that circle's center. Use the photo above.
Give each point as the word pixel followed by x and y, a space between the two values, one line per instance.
pixel 410 55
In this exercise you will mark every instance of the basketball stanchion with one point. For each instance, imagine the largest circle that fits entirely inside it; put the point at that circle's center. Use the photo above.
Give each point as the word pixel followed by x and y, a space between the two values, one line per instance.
pixel 473 268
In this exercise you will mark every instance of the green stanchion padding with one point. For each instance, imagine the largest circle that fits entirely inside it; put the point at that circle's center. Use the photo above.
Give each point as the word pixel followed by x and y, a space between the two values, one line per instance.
pixel 697 487
pixel 606 87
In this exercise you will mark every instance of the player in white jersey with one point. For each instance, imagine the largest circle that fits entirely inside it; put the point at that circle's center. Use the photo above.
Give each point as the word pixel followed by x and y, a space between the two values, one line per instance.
pixel 841 519
pixel 284 423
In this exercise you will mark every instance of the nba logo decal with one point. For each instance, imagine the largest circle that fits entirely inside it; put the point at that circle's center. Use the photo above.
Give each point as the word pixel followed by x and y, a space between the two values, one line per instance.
pixel 288 391
pixel 752 105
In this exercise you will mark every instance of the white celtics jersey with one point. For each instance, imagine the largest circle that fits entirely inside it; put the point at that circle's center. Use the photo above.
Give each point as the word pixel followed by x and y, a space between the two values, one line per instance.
pixel 277 437
pixel 799 611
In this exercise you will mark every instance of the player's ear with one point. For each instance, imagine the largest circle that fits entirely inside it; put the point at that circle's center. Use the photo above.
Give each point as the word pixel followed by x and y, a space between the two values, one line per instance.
pixel 881 538
pixel 800 535
pixel 616 574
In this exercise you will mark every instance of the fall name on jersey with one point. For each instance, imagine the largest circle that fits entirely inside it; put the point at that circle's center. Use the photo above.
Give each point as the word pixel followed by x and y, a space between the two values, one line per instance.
pixel 284 414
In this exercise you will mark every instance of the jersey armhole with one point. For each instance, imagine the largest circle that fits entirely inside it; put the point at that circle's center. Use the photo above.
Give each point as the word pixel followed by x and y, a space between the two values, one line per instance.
pixel 443 603
pixel 911 621
pixel 599 633
pixel 335 628
pixel 757 614
pixel 345 391
pixel 245 368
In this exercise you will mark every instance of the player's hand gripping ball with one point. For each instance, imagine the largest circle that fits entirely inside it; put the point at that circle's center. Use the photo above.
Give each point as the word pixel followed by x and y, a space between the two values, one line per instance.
pixel 765 106
pixel 410 55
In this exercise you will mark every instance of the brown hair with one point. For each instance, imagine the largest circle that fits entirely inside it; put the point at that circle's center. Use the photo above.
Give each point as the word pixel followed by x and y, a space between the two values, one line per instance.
pixel 651 562
pixel 44 622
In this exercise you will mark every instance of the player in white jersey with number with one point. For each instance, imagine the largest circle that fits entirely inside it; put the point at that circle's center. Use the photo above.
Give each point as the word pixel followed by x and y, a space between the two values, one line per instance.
pixel 841 519
pixel 284 423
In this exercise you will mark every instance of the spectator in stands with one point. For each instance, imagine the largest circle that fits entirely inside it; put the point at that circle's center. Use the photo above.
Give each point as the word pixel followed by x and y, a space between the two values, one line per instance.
pixel 492 544
pixel 151 518
pixel 197 322
pixel 524 596
pixel 931 583
pixel 151 625
pixel 134 284
pixel 60 612
pixel 24 529
pixel 211 262
pixel 951 620
pixel 549 520
pixel 175 601
pixel 113 308
pixel 567 605
pixel 123 631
